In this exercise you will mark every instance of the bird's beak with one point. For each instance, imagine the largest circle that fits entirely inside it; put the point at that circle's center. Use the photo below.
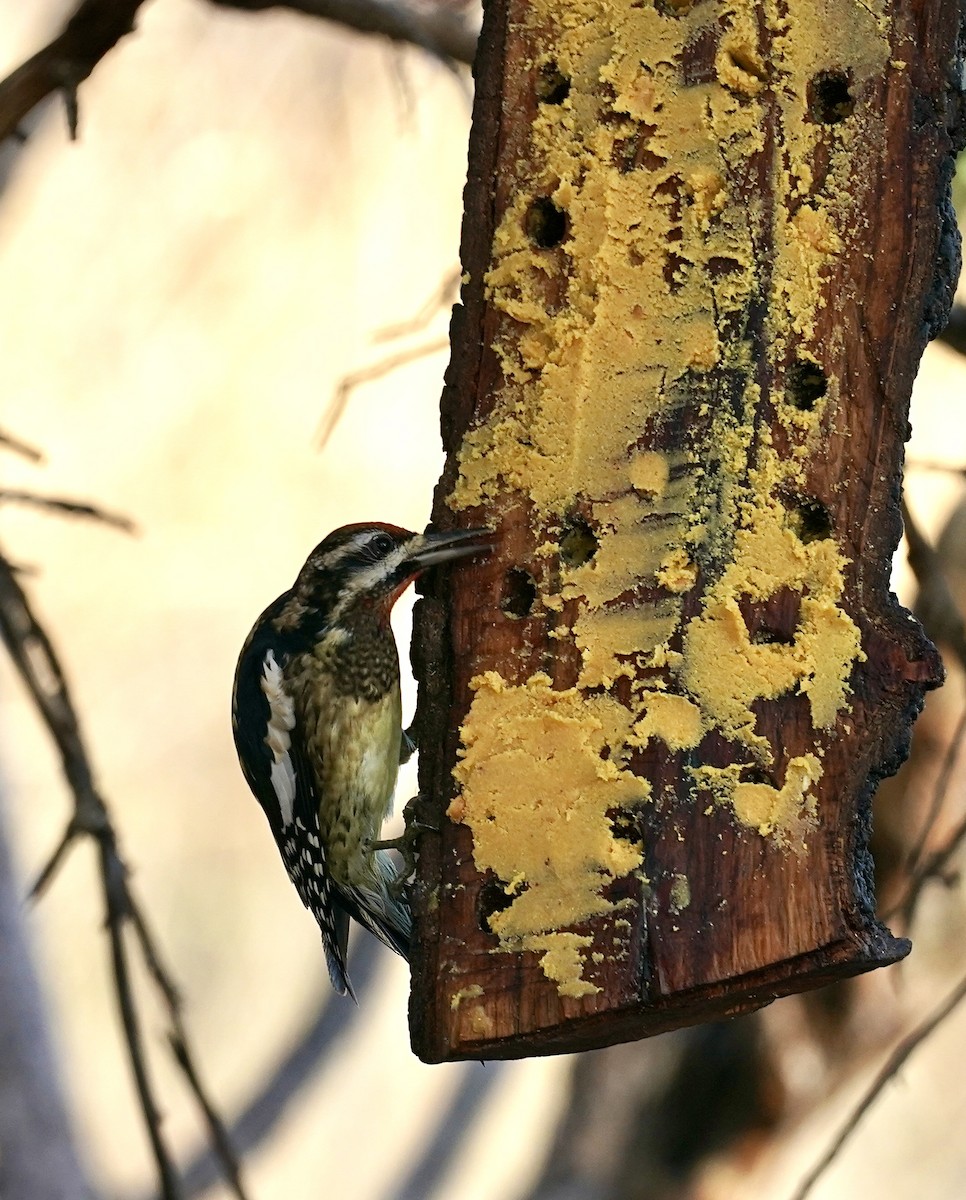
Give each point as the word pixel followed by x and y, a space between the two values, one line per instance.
pixel 445 547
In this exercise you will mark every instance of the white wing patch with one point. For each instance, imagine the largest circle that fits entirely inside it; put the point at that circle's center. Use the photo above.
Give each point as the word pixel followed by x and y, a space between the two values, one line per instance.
pixel 281 722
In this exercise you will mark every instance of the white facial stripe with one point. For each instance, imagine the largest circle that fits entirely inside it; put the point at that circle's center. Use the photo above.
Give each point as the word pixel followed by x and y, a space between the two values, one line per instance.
pixel 281 721
pixel 357 542
pixel 328 561
pixel 368 578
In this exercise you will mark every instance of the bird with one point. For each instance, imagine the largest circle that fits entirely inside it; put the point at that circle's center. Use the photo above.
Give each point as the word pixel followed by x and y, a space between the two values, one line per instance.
pixel 317 724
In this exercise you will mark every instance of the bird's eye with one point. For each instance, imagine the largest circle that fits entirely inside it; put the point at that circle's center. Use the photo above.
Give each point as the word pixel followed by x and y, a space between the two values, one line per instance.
pixel 381 544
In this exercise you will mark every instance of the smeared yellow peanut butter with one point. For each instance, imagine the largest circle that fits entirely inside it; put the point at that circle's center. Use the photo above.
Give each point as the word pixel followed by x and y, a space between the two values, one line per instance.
pixel 473 992
pixel 666 249
pixel 551 843
pixel 786 813
pixel 674 720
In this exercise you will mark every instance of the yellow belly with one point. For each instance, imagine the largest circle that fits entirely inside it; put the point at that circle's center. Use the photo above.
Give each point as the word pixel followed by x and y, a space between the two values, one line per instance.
pixel 356 776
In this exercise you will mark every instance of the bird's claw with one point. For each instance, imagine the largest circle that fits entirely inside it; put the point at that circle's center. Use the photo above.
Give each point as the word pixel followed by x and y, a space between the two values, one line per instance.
pixel 405 844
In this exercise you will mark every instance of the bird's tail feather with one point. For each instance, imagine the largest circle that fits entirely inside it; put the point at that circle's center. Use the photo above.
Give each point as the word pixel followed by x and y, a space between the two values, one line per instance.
pixel 384 913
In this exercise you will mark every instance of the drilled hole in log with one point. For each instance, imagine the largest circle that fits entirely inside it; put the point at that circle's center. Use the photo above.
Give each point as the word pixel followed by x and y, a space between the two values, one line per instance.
pixel 756 775
pixel 830 98
pixel 492 899
pixel 811 521
pixel 553 87
pixel 545 224
pixel 519 593
pixel 578 542
pixel 720 265
pixel 774 620
pixel 806 384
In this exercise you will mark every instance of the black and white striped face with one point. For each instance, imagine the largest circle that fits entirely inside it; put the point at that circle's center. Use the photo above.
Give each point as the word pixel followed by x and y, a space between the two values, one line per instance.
pixel 375 563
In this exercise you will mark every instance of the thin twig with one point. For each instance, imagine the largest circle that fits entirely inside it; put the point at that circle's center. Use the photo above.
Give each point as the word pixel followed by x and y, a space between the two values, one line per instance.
pixel 934 867
pixel 937 609
pixel 9 442
pixel 48 872
pixel 349 383
pixel 70 508
pixel 217 1133
pixel 950 758
pixel 442 298
pixel 893 1065
pixel 39 666
pixel 308 1055
pixel 935 606
pixel 153 961
pixel 112 872
pixel 181 1047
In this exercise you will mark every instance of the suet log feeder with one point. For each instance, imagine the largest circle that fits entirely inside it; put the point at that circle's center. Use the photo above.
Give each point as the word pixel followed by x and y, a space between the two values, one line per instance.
pixel 704 246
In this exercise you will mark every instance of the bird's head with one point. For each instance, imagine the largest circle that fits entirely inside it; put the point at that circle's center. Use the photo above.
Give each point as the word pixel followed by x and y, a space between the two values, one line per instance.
pixel 371 565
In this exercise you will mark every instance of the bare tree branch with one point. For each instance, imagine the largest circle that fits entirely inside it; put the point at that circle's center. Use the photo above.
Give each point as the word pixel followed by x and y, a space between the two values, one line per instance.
pixel 94 29
pixel 892 1067
pixel 9 442
pixel 97 26
pixel 327 1027
pixel 39 666
pixel 937 609
pixel 443 297
pixel 933 867
pixel 443 29
pixel 385 366
pixel 307 1057
pixel 115 893
pixel 70 508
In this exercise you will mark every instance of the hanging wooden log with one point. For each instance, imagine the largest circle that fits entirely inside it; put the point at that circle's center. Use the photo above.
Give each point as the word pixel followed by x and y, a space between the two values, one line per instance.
pixel 704 247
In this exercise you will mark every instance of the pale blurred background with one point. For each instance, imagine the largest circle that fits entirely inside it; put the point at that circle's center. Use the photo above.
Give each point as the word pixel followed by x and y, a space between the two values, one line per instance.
pixel 251 200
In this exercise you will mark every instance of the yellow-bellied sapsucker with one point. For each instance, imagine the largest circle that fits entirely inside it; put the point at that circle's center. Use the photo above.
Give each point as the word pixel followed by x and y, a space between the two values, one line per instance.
pixel 317 720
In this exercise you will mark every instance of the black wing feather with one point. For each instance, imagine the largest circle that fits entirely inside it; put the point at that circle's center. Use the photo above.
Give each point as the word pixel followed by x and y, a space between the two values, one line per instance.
pixel 298 840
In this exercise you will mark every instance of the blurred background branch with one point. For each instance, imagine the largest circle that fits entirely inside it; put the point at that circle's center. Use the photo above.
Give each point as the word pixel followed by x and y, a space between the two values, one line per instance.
pixel 446 30
pixel 39 667
pixel 61 66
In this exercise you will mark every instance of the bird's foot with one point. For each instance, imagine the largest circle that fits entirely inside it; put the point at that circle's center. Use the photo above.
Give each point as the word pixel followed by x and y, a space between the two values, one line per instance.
pixel 405 844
